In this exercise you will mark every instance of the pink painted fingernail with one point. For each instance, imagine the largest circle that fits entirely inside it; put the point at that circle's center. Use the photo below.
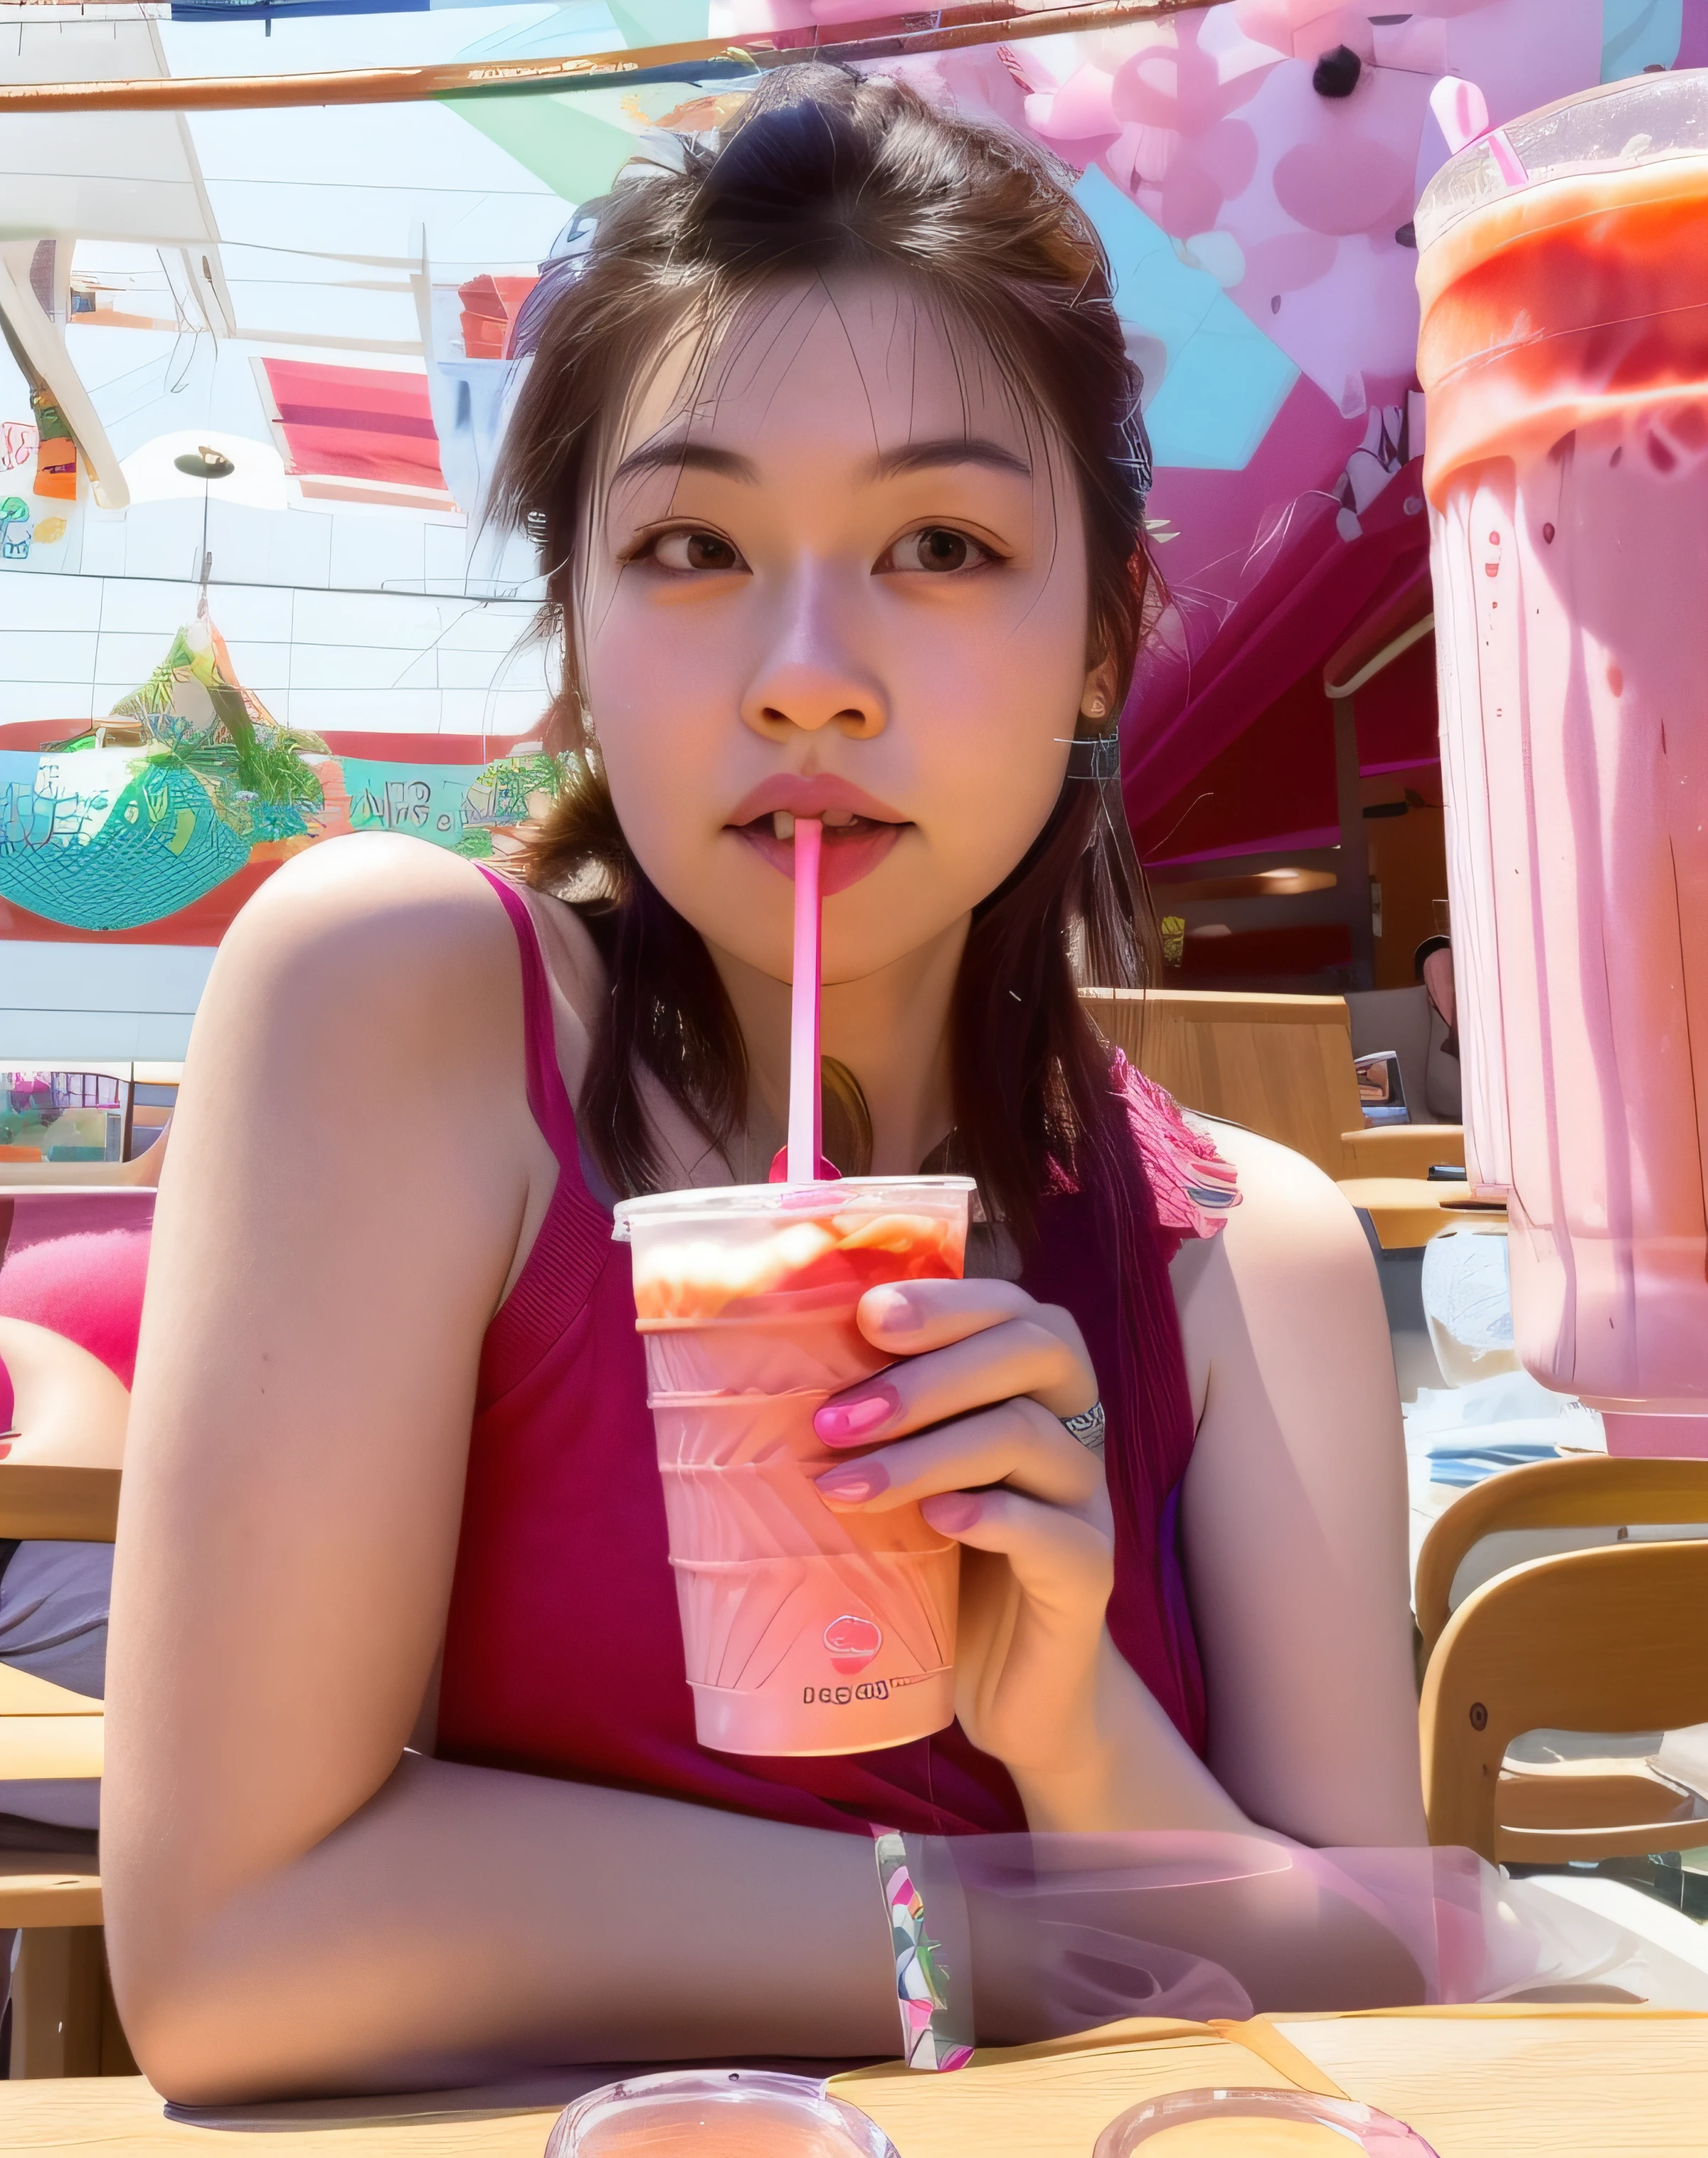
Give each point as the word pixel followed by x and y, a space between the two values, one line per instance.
pixel 951 1511
pixel 863 1479
pixel 844 1421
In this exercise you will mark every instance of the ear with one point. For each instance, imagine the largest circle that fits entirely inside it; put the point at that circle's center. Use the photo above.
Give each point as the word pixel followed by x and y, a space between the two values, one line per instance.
pixel 1097 697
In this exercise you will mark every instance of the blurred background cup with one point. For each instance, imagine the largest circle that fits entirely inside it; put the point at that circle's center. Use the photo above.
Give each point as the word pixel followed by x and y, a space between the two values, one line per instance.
pixel 1563 274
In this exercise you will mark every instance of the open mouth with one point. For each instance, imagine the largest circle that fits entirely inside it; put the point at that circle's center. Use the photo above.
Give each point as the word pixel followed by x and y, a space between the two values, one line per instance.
pixel 853 844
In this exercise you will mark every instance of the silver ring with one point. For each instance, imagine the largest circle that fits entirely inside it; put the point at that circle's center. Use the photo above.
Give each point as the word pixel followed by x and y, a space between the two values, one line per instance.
pixel 1088 1428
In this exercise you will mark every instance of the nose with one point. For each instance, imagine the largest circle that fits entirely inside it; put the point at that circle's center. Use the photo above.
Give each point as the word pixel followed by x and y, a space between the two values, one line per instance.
pixel 815 671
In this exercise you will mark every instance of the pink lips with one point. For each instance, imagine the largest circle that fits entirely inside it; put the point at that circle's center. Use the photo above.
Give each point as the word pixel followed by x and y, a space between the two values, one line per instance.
pixel 851 851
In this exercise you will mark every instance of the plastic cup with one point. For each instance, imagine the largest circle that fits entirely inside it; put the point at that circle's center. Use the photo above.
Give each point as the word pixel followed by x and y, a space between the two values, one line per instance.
pixel 1259 2124
pixel 1564 355
pixel 806 1631
pixel 734 2113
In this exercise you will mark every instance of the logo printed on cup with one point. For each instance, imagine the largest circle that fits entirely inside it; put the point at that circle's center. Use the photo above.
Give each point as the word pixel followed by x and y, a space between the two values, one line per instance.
pixel 852 1643
pixel 840 1696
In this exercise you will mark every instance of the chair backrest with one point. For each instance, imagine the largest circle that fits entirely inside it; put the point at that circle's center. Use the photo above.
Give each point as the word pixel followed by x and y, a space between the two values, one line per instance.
pixel 1396 1019
pixel 1592 1490
pixel 40 1503
pixel 1281 1066
pixel 1613 1640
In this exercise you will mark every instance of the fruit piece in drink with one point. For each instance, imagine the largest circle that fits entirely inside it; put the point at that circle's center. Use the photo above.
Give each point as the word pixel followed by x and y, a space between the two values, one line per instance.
pixel 832 1257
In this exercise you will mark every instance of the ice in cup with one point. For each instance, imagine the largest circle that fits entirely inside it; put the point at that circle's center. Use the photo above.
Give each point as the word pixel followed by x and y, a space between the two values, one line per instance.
pixel 807 1631
pixel 1564 355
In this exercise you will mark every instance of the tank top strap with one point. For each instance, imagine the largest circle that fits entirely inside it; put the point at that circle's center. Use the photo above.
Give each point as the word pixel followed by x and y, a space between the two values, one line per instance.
pixel 573 1247
pixel 548 1097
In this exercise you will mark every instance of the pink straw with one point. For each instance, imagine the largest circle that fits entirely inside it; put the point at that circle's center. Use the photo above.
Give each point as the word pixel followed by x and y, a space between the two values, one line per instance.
pixel 1462 112
pixel 803 1161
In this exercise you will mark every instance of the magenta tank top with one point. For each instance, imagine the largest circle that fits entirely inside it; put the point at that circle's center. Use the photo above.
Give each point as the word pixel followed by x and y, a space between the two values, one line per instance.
pixel 563 1652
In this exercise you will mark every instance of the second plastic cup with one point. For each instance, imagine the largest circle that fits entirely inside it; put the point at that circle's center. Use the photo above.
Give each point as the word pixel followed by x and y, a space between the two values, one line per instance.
pixel 806 1631
pixel 1564 353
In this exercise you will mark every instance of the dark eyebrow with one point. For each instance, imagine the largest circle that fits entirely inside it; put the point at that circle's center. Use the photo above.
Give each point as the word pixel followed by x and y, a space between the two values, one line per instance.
pixel 950 450
pixel 686 456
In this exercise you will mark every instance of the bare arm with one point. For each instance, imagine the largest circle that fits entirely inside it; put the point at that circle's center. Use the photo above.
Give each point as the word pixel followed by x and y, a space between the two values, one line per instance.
pixel 1294 1512
pixel 292 1903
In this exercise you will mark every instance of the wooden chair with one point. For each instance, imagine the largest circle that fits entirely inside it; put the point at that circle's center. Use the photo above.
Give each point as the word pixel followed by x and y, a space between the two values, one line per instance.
pixel 1590 1491
pixel 1281 1066
pixel 1611 1639
pixel 64 2021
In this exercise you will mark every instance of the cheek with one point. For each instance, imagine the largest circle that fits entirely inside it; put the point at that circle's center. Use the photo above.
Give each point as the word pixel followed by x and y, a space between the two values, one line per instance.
pixel 997 712
pixel 660 720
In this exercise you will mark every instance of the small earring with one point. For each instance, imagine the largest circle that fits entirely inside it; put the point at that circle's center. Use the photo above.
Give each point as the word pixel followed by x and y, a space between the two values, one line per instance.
pixel 1094 708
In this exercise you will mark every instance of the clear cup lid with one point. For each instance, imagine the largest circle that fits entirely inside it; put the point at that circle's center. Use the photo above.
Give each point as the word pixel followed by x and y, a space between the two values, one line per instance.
pixel 1354 2126
pixel 1612 129
pixel 745 2110
pixel 760 1202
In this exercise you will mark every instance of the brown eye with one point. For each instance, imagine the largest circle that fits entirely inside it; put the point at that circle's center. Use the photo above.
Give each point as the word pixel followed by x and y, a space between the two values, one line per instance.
pixel 694 550
pixel 937 549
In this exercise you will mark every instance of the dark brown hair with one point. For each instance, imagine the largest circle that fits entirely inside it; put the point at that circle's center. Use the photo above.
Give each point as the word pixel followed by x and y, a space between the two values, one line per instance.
pixel 826 172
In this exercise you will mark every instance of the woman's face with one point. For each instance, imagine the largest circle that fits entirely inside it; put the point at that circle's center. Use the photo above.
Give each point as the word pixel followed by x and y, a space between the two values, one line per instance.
pixel 846 577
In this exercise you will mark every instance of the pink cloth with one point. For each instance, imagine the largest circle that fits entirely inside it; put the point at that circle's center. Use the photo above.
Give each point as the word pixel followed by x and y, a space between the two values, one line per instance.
pixel 1194 1188
pixel 563 1652
pixel 87 1287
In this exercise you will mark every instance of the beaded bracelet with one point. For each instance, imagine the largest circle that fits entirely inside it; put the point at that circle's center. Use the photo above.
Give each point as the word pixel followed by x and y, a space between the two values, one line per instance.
pixel 936 2030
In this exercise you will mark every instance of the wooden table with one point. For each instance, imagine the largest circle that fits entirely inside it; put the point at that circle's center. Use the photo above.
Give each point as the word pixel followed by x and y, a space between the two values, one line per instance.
pixel 1407 1211
pixel 1528 2083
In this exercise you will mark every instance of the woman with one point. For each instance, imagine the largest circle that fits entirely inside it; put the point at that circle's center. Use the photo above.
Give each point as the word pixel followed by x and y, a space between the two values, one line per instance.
pixel 830 445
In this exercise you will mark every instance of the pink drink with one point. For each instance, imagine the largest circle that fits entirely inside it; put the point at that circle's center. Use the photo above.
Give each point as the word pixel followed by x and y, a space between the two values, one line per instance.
pixel 1564 352
pixel 807 1631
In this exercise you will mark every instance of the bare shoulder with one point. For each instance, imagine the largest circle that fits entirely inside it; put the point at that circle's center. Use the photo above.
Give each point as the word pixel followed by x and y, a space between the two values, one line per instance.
pixel 1286 1201
pixel 370 887
pixel 1290 1261
pixel 371 930
pixel 366 1009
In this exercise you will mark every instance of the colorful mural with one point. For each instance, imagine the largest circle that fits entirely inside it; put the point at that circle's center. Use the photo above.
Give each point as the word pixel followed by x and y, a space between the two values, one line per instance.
pixel 190 781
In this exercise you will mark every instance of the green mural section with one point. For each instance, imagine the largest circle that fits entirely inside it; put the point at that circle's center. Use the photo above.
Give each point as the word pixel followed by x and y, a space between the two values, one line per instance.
pixel 191 780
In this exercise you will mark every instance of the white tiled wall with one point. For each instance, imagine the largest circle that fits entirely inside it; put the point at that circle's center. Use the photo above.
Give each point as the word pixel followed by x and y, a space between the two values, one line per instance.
pixel 72 646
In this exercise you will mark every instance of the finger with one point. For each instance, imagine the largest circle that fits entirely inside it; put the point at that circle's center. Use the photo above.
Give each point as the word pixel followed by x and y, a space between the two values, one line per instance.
pixel 1065 1565
pixel 1017 1356
pixel 908 1318
pixel 1018 1443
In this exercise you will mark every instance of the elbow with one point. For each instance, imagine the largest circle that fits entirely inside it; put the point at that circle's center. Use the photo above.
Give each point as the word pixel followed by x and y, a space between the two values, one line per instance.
pixel 204 2023
pixel 194 2047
